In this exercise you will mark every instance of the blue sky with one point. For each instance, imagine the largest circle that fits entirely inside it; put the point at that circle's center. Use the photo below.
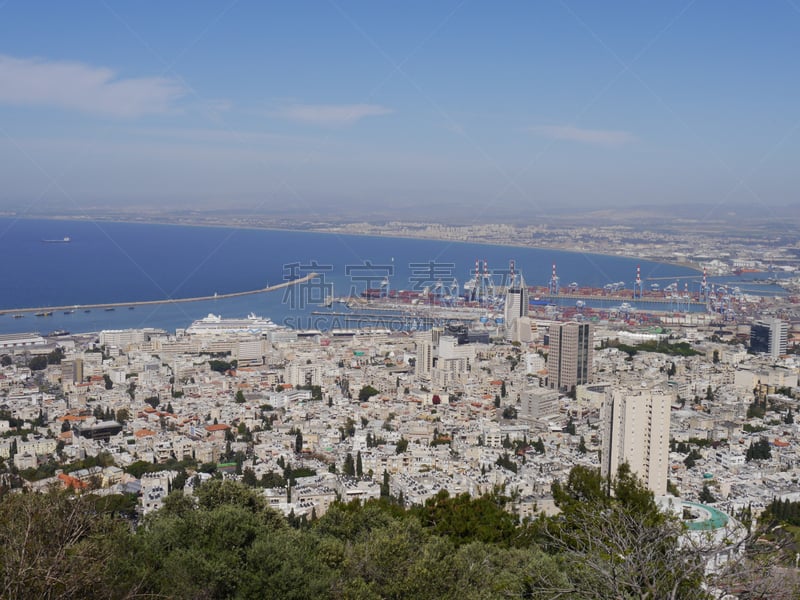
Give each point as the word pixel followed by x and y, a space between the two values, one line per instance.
pixel 301 106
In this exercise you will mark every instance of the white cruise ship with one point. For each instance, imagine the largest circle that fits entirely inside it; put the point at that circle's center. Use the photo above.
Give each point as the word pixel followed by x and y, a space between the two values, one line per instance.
pixel 213 324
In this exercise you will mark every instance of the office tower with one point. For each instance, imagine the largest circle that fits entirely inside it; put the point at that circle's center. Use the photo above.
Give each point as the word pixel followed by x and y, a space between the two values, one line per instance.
pixel 516 300
pixel 569 359
pixel 636 431
pixel 769 336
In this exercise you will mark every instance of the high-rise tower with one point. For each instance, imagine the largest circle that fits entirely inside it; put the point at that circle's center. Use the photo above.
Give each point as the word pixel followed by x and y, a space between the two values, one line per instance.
pixel 636 431
pixel 769 336
pixel 569 359
pixel 517 301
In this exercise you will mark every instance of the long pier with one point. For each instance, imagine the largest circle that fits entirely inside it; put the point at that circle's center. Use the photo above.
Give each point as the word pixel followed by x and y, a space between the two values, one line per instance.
pixel 617 298
pixel 108 305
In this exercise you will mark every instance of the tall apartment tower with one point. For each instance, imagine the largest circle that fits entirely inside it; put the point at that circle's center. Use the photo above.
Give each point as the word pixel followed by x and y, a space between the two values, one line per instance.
pixel 517 301
pixel 427 351
pixel 636 431
pixel 569 359
pixel 769 336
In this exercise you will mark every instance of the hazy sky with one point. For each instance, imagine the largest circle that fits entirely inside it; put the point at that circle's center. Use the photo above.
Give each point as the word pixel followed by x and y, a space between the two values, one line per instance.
pixel 402 105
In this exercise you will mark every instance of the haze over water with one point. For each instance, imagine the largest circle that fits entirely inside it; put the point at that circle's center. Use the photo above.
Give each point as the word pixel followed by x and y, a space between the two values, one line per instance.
pixel 122 262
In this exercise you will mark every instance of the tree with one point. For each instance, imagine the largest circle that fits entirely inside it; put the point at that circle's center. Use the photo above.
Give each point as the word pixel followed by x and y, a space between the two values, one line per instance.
pixel 789 418
pixel 759 450
pixel 692 458
pixel 402 445
pixel 55 545
pixel 359 465
pixel 506 462
pixel 38 363
pixel 582 446
pixel 6 360
pixel 298 442
pixel 366 393
pixel 503 392
pixel 349 467
pixel 620 545
pixel 55 357
pixel 706 497
pixel 385 490
pixel 240 397
pixel 510 412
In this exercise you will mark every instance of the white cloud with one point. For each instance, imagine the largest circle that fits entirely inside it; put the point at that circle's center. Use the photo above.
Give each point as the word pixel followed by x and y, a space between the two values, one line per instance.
pixel 331 114
pixel 602 137
pixel 78 86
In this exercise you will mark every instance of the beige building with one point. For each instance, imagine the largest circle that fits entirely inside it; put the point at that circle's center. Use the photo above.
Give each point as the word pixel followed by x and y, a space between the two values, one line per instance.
pixel 636 431
pixel 569 359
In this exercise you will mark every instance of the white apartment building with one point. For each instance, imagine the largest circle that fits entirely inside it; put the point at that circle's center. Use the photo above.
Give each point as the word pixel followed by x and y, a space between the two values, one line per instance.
pixel 636 431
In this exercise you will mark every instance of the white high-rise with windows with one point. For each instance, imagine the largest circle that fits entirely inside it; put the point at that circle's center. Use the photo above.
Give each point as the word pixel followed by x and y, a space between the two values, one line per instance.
pixel 516 301
pixel 636 431
pixel 769 336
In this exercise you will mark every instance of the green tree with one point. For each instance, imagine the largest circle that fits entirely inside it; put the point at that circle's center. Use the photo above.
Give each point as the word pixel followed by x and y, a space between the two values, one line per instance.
pixel 349 467
pixel 359 465
pixel 240 399
pixel 620 545
pixel 366 393
pixel 402 445
pixel 759 450
pixel 38 363
pixel 706 497
pixel 298 442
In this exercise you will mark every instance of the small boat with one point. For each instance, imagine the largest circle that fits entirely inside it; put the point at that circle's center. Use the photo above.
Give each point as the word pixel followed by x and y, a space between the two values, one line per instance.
pixel 131 307
pixel 87 310
pixel 65 240
pixel 18 316
pixel 44 314
pixel 68 312
pixel 109 309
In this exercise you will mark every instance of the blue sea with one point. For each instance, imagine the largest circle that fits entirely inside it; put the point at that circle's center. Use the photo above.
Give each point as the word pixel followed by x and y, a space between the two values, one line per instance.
pixel 109 262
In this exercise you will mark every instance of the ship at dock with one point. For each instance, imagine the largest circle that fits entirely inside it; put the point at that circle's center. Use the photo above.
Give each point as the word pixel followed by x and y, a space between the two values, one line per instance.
pixel 216 324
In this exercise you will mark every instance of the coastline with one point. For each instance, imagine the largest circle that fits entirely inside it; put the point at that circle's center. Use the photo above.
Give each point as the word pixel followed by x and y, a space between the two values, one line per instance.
pixel 230 225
